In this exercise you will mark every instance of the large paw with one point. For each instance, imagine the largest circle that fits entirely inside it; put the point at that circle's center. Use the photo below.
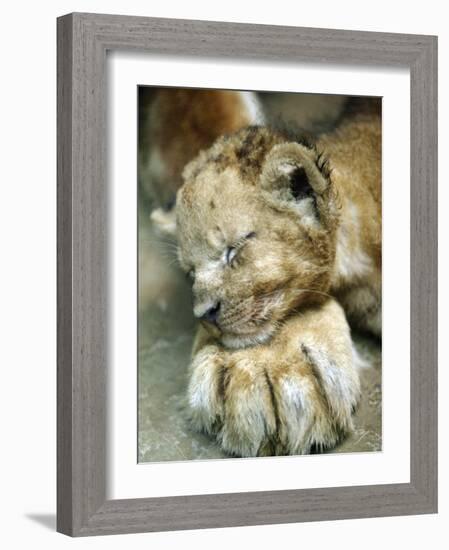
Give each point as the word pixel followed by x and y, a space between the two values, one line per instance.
pixel 257 403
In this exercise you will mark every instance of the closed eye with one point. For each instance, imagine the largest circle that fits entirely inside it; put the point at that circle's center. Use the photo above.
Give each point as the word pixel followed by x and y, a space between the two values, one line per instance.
pixel 232 251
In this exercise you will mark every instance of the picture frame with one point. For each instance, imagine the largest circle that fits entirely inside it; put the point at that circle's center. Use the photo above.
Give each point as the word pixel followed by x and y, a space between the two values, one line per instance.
pixel 83 41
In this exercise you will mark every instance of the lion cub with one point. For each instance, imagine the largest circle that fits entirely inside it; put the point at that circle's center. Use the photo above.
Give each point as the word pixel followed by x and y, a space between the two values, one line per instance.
pixel 272 232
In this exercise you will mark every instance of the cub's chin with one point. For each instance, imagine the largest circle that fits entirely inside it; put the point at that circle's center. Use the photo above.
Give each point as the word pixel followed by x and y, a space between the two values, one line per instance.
pixel 261 335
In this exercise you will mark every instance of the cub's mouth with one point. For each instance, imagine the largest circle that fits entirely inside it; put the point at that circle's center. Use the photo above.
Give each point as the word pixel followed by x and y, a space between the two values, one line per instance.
pixel 249 322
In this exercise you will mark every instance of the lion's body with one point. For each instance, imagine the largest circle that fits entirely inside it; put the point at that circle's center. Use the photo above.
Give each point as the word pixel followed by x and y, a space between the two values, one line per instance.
pixel 273 232
pixel 354 152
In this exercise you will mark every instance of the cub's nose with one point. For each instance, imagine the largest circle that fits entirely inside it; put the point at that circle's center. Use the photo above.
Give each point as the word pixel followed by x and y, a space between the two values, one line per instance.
pixel 211 314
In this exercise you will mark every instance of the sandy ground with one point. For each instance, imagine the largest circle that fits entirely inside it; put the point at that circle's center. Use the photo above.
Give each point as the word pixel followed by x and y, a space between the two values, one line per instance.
pixel 166 329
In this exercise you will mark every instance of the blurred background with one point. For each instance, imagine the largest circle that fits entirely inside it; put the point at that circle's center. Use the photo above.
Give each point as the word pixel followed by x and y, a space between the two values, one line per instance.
pixel 174 125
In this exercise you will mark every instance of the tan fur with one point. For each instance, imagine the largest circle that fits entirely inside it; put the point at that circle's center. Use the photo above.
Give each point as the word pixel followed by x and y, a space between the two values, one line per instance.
pixel 295 393
pixel 354 152
pixel 176 124
pixel 270 231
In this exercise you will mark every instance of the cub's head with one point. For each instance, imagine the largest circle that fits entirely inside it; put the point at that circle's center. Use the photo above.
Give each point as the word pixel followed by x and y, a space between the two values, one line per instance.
pixel 255 223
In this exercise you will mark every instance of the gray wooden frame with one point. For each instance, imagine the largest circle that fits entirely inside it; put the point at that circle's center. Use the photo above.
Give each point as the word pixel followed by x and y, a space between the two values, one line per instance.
pixel 83 40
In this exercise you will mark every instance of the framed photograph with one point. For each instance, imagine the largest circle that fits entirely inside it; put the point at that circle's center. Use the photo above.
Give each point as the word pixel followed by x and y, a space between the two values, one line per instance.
pixel 247 274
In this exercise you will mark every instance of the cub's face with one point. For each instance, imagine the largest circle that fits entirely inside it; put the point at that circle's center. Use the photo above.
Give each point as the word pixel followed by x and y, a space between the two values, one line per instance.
pixel 256 234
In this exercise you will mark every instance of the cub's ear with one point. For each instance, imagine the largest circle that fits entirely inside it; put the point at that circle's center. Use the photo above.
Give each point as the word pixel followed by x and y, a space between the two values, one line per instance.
pixel 295 176
pixel 164 221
